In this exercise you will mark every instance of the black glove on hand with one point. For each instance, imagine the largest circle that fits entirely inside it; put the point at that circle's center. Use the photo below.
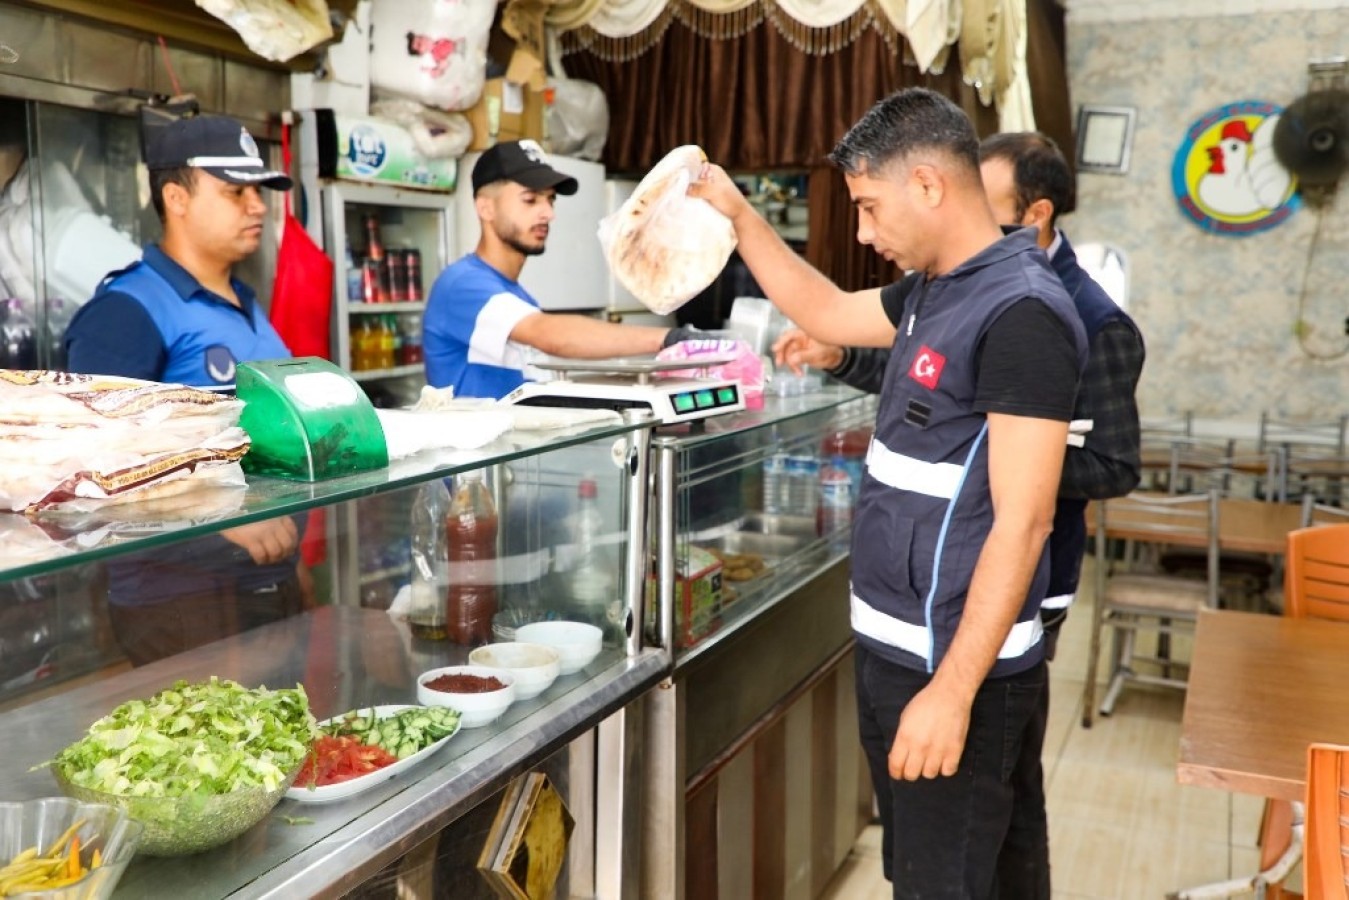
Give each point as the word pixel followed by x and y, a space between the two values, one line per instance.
pixel 683 333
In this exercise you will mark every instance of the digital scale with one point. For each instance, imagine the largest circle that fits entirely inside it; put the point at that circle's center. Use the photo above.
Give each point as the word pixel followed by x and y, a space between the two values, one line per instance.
pixel 628 383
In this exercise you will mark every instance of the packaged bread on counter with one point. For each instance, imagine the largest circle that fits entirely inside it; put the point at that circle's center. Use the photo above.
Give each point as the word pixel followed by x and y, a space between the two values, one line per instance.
pixel 81 441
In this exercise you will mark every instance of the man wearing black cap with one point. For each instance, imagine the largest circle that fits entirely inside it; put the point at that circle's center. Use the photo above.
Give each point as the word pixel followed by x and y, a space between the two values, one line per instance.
pixel 179 316
pixel 481 325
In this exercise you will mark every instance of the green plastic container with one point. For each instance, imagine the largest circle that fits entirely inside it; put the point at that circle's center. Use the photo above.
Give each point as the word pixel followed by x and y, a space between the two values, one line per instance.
pixel 308 420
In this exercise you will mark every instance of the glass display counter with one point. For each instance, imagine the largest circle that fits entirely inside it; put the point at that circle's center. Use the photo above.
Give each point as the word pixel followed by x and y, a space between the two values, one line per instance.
pixel 68 666
pixel 754 784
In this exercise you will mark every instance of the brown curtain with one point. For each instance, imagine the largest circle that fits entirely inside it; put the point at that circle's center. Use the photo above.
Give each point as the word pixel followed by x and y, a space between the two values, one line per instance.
pixel 757 102
pixel 1047 71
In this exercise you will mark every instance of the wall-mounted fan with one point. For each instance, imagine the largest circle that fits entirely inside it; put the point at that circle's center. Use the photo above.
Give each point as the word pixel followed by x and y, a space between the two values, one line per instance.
pixel 1311 138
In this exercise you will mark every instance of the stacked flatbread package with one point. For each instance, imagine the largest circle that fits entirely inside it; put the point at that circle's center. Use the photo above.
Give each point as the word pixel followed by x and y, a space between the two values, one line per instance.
pixel 81 441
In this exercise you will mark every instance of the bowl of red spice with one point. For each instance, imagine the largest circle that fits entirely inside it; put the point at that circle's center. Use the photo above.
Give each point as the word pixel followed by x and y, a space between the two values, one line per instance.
pixel 480 694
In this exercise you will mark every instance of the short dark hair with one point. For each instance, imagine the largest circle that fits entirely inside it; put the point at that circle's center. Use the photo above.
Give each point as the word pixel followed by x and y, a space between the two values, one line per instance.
pixel 907 121
pixel 183 176
pixel 1039 170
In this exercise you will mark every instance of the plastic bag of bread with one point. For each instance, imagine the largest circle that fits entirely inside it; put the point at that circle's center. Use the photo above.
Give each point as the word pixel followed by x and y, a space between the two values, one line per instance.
pixel 663 245
pixel 77 442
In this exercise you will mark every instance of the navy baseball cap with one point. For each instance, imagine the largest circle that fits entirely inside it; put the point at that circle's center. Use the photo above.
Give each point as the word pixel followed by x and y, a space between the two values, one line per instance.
pixel 218 145
pixel 523 162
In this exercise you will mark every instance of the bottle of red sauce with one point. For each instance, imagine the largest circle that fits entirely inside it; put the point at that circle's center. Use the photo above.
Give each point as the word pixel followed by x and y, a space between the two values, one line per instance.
pixel 471 533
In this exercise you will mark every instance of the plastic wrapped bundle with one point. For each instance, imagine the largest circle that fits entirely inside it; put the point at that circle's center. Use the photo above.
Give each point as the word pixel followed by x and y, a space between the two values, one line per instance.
pixel 81 441
pixel 663 245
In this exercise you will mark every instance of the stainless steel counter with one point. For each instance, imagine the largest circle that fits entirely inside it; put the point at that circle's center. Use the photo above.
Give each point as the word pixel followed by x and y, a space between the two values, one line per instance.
pixel 346 658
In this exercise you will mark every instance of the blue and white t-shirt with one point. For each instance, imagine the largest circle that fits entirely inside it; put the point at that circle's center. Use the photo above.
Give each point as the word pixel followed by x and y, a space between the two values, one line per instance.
pixel 470 314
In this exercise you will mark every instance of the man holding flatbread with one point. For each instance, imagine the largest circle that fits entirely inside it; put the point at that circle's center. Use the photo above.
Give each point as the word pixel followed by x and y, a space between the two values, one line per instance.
pixel 481 327
pixel 948 559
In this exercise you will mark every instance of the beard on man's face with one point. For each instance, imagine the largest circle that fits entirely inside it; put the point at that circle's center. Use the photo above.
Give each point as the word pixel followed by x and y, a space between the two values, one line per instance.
pixel 521 247
pixel 515 238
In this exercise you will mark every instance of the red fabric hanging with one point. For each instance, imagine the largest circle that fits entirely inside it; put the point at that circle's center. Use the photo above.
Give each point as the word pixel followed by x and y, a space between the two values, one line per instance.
pixel 302 292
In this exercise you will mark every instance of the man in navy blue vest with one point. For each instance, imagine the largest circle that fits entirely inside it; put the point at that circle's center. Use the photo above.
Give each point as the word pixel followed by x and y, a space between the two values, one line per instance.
pixel 1029 184
pixel 949 564
pixel 179 315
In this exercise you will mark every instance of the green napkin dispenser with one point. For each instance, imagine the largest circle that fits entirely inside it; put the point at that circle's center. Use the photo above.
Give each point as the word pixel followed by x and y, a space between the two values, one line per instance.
pixel 307 420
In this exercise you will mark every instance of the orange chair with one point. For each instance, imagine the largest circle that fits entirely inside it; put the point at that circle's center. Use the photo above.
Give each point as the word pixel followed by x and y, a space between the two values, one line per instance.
pixel 1325 865
pixel 1315 586
pixel 1316 573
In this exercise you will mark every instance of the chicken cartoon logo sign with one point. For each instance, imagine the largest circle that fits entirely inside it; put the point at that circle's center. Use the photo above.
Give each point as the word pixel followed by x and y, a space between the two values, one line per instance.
pixel 1226 176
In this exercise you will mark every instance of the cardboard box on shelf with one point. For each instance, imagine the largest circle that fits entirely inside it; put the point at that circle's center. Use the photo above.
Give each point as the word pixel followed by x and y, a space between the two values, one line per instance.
pixel 506 111
pixel 698 596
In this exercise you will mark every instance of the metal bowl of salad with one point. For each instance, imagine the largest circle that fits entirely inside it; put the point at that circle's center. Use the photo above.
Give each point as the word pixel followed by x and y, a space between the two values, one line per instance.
pixel 197 764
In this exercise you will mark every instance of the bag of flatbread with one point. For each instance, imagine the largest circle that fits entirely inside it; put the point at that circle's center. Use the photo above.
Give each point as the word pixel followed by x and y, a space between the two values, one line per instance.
pixel 663 245
pixel 79 442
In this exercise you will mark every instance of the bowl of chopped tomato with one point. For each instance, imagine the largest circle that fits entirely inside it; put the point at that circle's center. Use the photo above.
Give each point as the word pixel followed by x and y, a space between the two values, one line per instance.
pixel 363 748
pixel 334 759
pixel 480 693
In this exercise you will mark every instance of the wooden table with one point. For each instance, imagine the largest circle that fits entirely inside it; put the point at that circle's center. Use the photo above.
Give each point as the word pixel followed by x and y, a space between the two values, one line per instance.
pixel 1261 689
pixel 1253 526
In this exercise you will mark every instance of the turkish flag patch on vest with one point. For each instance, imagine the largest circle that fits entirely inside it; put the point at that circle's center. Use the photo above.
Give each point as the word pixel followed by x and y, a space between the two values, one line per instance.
pixel 927 366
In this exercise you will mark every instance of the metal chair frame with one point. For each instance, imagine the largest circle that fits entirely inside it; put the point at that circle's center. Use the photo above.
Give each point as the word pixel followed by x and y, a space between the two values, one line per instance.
pixel 1188 515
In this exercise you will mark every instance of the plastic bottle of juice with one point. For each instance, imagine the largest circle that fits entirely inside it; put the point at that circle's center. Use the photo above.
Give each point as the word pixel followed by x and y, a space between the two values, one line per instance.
pixel 471 535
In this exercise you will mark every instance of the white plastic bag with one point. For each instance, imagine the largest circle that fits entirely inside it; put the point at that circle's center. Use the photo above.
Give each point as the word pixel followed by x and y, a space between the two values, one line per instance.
pixel 434 51
pixel 275 29
pixel 437 135
pixel 663 245
pixel 578 119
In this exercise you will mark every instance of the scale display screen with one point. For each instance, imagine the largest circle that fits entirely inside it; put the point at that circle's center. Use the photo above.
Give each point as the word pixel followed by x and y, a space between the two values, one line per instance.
pixel 704 399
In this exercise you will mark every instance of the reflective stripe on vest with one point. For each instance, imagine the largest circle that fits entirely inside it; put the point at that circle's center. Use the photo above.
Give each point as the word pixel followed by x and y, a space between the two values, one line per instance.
pixel 915 639
pixel 909 474
pixel 1059 601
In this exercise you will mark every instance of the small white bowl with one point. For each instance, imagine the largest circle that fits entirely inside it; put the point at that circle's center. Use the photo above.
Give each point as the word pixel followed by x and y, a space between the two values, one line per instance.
pixel 474 709
pixel 534 666
pixel 576 643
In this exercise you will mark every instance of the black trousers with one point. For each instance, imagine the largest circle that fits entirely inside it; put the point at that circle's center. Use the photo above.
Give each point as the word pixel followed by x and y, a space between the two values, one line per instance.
pixel 981 834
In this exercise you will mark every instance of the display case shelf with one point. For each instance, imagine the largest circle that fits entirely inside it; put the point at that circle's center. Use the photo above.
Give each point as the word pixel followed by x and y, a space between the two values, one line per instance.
pixel 49 542
pixel 395 372
pixel 410 306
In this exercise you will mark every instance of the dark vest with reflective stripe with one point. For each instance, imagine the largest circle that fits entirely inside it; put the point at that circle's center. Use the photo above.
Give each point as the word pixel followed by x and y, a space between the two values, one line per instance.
pixel 924 510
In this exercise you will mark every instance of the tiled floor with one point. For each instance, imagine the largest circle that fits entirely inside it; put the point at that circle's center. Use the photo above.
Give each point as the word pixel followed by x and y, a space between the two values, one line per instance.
pixel 1120 827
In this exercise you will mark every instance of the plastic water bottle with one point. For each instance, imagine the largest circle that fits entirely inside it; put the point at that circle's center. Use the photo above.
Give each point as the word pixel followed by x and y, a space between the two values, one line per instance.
pixel 803 472
pixel 851 445
pixel 775 484
pixel 834 516
pixel 593 579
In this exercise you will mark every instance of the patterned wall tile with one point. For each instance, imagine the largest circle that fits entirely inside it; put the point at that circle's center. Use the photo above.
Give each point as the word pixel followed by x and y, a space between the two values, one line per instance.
pixel 1218 312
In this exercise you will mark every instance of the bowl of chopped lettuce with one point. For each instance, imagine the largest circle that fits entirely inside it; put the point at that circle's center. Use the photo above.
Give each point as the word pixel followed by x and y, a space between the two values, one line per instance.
pixel 196 764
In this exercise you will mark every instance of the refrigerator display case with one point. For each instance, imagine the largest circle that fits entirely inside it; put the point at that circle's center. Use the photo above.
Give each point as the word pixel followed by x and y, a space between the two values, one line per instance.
pixel 424 825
